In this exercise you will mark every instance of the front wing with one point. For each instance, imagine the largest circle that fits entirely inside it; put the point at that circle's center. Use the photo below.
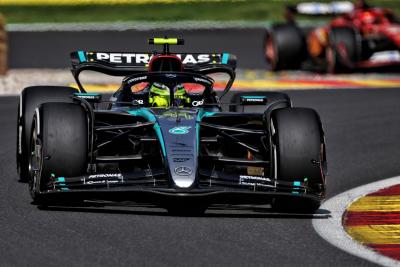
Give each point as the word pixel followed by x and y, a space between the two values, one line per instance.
pixel 154 187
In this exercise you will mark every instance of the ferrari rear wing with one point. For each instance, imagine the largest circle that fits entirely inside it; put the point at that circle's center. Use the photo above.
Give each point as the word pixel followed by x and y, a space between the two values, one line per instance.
pixel 320 9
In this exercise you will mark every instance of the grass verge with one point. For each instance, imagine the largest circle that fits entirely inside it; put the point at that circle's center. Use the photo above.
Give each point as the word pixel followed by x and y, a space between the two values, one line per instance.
pixel 252 10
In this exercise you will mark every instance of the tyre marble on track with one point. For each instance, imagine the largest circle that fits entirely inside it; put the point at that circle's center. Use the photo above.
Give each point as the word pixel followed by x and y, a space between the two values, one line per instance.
pixel 362 129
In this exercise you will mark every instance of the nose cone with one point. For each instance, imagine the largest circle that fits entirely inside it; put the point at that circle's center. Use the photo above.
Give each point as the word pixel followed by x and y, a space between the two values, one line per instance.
pixel 180 138
pixel 184 176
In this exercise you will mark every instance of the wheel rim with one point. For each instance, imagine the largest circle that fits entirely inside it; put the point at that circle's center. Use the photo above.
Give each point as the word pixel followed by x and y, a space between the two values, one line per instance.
pixel 323 165
pixel 35 160
pixel 330 60
pixel 275 154
pixel 270 53
pixel 18 144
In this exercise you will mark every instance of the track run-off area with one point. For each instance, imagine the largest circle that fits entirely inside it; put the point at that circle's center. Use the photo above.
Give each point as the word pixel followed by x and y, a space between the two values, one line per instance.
pixel 365 221
pixel 362 129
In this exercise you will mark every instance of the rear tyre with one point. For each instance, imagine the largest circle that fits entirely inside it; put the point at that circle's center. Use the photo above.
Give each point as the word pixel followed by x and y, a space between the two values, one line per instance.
pixel 343 51
pixel 30 98
pixel 58 147
pixel 285 47
pixel 299 150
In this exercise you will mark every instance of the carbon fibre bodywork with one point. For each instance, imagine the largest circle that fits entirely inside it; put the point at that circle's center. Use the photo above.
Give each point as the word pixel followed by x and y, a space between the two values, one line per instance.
pixel 185 152
pixel 199 154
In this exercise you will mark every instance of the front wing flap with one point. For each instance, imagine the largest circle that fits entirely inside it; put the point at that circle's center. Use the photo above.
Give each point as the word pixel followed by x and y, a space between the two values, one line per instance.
pixel 151 186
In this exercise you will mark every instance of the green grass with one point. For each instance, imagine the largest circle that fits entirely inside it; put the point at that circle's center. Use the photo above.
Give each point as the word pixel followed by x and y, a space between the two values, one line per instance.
pixel 250 10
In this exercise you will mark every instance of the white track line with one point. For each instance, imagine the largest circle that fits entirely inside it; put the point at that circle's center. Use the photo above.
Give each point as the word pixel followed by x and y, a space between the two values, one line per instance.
pixel 331 229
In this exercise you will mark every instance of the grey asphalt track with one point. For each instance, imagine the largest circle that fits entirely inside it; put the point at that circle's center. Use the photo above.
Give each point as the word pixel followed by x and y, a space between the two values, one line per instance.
pixel 362 130
pixel 51 49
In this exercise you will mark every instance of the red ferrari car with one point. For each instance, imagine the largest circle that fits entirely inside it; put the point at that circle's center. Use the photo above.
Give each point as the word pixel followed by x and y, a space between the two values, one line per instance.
pixel 360 37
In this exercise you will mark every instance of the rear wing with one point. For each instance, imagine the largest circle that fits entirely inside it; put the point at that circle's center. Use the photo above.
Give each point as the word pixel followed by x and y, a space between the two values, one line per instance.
pixel 126 63
pixel 320 9
pixel 116 62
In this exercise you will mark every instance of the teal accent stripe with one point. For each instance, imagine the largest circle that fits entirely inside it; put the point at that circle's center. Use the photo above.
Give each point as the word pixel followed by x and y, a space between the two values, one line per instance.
pixel 144 113
pixel 88 94
pixel 225 57
pixel 201 114
pixel 61 180
pixel 197 137
pixel 157 128
pixel 82 57
pixel 148 115
pixel 254 96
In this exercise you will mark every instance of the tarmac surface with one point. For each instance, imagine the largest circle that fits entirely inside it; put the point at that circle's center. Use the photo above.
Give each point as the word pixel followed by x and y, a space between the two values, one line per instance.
pixel 51 49
pixel 362 129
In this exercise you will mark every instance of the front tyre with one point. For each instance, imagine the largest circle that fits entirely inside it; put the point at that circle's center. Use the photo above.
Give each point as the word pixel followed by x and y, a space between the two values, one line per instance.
pixel 30 98
pixel 299 150
pixel 58 146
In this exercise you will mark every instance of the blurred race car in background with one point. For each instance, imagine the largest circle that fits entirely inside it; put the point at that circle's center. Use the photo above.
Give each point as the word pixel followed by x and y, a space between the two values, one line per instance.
pixel 361 37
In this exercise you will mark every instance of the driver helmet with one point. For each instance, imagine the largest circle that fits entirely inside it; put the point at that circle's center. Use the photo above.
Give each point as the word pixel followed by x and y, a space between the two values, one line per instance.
pixel 180 95
pixel 159 95
pixel 367 17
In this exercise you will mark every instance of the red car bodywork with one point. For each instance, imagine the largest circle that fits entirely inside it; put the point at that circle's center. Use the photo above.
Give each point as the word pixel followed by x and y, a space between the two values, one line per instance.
pixel 370 24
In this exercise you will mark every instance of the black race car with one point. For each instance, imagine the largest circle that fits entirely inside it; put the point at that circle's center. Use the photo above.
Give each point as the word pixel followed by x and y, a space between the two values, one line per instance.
pixel 164 138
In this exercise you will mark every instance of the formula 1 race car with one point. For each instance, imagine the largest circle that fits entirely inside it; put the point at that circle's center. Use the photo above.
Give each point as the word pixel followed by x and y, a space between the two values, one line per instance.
pixel 360 38
pixel 163 138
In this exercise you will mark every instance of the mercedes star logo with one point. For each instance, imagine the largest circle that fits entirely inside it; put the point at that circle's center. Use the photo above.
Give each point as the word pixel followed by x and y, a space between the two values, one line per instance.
pixel 183 171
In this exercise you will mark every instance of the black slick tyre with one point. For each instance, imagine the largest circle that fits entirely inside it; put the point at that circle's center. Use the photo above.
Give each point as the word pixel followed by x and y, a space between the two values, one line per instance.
pixel 58 146
pixel 344 50
pixel 285 47
pixel 300 154
pixel 30 98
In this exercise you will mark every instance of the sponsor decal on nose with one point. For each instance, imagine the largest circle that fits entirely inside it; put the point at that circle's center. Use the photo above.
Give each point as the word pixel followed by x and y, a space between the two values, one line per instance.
pixel 179 130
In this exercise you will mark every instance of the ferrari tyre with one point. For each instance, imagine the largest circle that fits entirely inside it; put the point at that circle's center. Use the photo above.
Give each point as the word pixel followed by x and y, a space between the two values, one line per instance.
pixel 300 154
pixel 30 98
pixel 343 51
pixel 58 146
pixel 285 47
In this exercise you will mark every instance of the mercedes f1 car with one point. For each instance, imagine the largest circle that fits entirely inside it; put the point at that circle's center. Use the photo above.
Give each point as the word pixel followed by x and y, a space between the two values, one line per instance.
pixel 164 138
pixel 360 38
